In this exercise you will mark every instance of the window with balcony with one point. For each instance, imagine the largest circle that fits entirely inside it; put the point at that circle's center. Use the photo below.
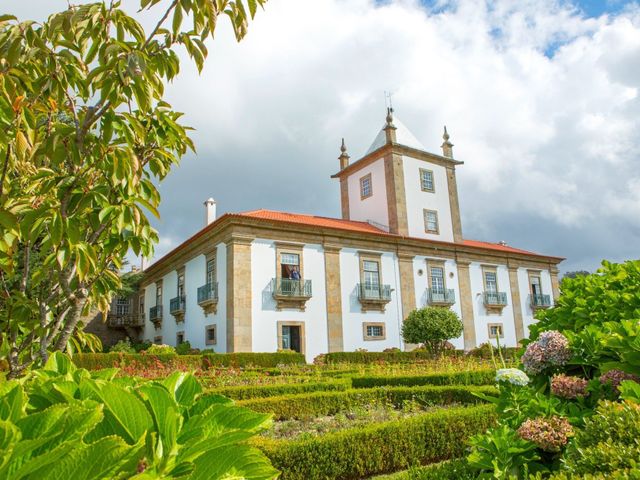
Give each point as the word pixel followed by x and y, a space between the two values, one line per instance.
pixel 177 305
pixel 494 299
pixel 538 298
pixel 290 289
pixel 366 187
pixel 155 312
pixel 211 270
pixel 426 180
pixel 438 294
pixel 373 331
pixel 431 221
pixel 372 293
pixel 122 306
pixel 208 293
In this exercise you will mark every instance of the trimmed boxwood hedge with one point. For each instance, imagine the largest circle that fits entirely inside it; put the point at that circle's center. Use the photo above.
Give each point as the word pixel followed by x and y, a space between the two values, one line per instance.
pixel 329 403
pixel 374 449
pixel 386 357
pixel 277 390
pixel 478 377
pixel 455 469
pixel 93 361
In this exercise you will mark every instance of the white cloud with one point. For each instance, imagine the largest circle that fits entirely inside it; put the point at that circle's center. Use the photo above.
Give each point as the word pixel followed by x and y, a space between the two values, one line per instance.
pixel 541 102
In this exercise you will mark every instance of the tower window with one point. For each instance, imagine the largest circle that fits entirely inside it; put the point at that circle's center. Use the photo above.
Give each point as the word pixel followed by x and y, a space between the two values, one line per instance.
pixel 431 221
pixel 366 189
pixel 426 180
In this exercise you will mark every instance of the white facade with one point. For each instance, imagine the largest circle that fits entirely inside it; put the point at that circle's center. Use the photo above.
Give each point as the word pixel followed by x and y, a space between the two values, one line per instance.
pixel 374 207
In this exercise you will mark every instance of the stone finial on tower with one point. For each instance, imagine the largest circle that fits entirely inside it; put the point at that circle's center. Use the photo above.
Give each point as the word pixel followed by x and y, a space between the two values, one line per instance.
pixel 390 128
pixel 447 146
pixel 344 156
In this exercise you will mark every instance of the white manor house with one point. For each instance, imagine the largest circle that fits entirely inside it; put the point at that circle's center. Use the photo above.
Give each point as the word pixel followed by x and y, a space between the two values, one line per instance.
pixel 262 281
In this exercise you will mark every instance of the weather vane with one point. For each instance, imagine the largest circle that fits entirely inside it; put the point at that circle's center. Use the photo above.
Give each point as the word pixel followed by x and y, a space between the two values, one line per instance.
pixel 387 100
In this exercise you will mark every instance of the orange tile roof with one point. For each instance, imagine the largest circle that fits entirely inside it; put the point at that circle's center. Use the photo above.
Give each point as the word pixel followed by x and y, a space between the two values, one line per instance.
pixel 364 227
pixel 313 220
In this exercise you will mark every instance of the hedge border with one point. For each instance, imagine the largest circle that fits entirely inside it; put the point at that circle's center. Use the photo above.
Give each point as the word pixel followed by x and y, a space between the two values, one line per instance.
pixel 377 449
pixel 278 390
pixel 329 403
pixel 477 377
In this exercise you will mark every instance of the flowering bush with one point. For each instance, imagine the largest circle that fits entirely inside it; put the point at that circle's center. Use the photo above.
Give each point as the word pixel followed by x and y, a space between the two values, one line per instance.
pixel 550 350
pixel 568 387
pixel 512 376
pixel 616 377
pixel 549 434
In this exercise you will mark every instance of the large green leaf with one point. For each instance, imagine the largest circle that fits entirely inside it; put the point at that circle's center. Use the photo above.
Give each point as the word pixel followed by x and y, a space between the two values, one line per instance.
pixel 238 462
pixel 125 414
pixel 12 404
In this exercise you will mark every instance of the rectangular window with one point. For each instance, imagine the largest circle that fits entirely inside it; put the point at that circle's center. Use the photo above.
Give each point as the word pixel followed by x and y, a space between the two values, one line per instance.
pixel 181 285
pixel 158 294
pixel 437 279
pixel 366 189
pixel 371 271
pixel 373 331
pixel 536 285
pixel 211 271
pixel 157 340
pixel 426 180
pixel 490 281
pixel 122 306
pixel 290 265
pixel 495 330
pixel 431 221
pixel 179 338
pixel 210 335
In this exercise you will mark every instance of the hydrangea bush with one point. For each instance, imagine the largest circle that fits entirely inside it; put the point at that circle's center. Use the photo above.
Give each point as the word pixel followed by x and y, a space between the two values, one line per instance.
pixel 582 354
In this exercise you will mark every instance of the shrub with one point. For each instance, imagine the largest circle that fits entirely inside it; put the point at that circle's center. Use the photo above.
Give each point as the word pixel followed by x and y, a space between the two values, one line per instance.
pixel 323 403
pixel 480 377
pixel 263 391
pixel 432 326
pixel 394 356
pixel 489 352
pixel 161 350
pixel 123 346
pixel 183 348
pixel 96 361
pixel 142 346
pixel 373 449
pixel 63 422
pixel 456 469
pixel 256 359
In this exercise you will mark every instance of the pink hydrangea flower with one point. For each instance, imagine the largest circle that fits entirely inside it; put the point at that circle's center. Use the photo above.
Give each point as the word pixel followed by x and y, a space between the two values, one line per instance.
pixel 616 377
pixel 568 387
pixel 550 350
pixel 549 434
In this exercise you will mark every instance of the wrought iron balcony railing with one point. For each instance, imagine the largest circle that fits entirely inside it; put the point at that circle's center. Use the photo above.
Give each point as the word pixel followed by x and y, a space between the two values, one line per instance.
pixel 155 313
pixel 540 300
pixel 495 298
pixel 289 287
pixel 208 293
pixel 177 305
pixel 367 291
pixel 441 296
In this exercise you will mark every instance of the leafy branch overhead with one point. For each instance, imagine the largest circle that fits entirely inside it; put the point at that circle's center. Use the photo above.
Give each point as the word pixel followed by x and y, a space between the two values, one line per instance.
pixel 84 136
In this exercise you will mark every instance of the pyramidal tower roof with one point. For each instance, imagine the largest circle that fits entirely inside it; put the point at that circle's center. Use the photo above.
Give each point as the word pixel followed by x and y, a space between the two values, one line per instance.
pixel 403 137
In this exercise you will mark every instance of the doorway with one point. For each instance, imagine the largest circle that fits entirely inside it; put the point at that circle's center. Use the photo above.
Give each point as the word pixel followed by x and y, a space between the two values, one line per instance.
pixel 291 336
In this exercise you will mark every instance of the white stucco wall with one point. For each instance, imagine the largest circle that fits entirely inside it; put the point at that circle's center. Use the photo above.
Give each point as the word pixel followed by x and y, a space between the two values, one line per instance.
pixel 421 283
pixel 195 319
pixel 374 207
pixel 525 292
pixel 418 200
pixel 482 317
pixel 352 316
pixel 264 313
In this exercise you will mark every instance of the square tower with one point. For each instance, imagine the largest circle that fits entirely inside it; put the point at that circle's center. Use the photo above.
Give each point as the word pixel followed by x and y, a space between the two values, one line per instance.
pixel 400 187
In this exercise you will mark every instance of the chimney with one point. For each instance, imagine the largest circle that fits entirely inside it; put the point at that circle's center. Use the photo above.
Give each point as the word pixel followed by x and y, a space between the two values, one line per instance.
pixel 210 211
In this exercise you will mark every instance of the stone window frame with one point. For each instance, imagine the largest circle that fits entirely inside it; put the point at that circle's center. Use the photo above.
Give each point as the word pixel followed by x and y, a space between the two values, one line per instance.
pixel 211 257
pixel 364 196
pixel 180 333
pixel 180 272
pixel 498 325
pixel 157 340
pixel 370 338
pixel 534 273
pixel 159 287
pixel 370 257
pixel 290 248
pixel 425 211
pixel 433 181
pixel 289 323
pixel 490 269
pixel 439 264
pixel 207 340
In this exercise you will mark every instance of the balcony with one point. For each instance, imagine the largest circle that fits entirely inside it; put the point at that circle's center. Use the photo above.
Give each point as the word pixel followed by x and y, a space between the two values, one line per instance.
pixel 176 308
pixel 291 293
pixel 441 296
pixel 374 297
pixel 540 301
pixel 494 302
pixel 155 315
pixel 115 320
pixel 208 297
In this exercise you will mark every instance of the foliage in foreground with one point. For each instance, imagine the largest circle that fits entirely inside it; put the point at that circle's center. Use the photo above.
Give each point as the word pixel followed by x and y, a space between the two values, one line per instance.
pixel 573 414
pixel 432 327
pixel 84 135
pixel 64 422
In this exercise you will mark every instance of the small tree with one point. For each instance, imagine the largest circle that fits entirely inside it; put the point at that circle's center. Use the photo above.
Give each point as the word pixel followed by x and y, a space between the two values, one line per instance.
pixel 431 326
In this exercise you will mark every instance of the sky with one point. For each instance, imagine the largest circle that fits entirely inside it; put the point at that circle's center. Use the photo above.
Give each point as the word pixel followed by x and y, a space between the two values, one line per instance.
pixel 540 98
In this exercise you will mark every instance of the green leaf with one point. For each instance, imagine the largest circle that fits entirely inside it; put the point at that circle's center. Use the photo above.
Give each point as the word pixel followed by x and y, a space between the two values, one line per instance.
pixel 125 414
pixel 238 462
